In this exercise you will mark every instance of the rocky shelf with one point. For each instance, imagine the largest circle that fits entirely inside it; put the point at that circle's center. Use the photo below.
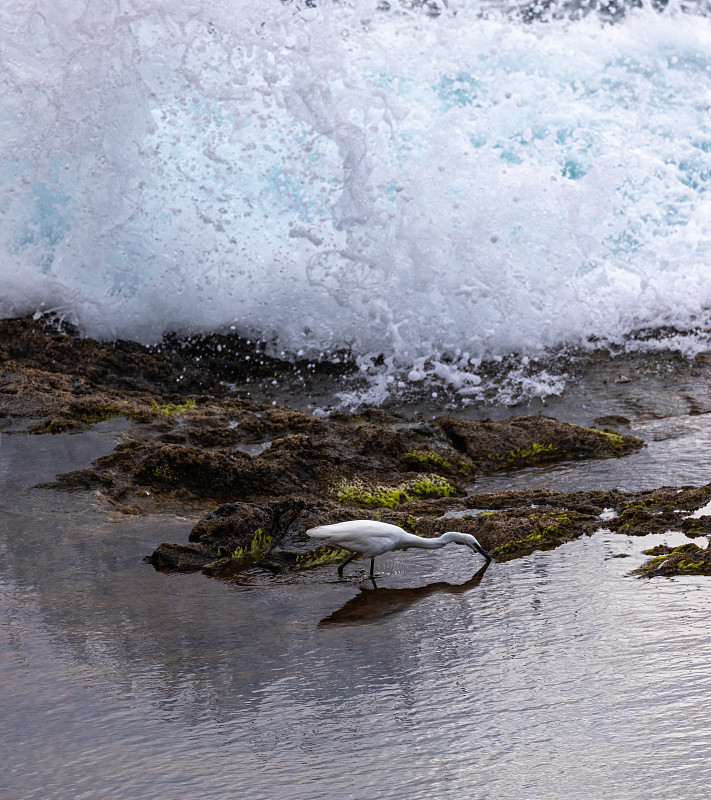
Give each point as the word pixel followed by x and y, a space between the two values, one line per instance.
pixel 262 474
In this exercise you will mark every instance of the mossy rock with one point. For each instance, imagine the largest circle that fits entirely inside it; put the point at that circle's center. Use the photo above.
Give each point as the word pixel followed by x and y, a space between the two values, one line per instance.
pixel 687 559
pixel 425 461
pixel 363 493
pixel 531 440
pixel 242 556
pixel 172 409
pixel 696 526
pixel 641 518
pixel 535 453
pixel 548 531
pixel 81 414
pixel 168 557
pixel 663 510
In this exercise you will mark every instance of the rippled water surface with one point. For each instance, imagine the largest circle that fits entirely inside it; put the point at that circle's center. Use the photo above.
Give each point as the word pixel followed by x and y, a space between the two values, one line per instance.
pixel 546 677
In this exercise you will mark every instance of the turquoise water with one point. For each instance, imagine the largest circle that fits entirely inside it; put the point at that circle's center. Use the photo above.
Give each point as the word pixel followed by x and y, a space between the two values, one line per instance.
pixel 431 190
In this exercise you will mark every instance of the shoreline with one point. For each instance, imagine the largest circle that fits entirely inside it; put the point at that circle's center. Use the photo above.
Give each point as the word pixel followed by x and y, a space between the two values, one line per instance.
pixel 262 473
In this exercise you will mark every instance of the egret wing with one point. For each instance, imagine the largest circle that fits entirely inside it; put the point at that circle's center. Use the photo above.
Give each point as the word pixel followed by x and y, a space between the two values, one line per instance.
pixel 359 536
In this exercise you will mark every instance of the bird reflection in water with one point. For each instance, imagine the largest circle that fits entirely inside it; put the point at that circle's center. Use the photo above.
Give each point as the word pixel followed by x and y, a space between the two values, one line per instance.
pixel 373 605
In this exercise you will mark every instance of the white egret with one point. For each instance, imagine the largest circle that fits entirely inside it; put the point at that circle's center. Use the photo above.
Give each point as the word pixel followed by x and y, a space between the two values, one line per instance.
pixel 368 537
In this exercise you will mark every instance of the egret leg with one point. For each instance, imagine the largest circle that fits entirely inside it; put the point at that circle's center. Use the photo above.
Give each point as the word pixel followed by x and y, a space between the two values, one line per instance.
pixel 372 564
pixel 347 561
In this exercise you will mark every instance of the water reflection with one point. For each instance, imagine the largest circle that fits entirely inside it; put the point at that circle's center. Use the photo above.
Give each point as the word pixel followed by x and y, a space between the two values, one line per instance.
pixel 124 681
pixel 378 603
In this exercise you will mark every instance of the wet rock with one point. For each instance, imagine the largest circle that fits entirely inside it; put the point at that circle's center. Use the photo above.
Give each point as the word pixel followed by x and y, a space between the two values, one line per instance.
pixel 585 502
pixel 236 535
pixel 80 479
pixel 525 441
pixel 661 510
pixel 688 559
pixel 512 534
pixel 272 535
pixel 266 473
pixel 240 535
pixel 696 526
pixel 46 366
pixel 179 558
pixel 356 464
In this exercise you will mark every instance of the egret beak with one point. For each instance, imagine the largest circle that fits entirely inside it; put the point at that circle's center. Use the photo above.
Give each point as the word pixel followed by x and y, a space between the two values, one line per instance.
pixel 486 555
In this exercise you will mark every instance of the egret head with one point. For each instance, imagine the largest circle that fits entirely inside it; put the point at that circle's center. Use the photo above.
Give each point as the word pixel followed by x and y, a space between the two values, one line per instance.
pixel 470 541
pixel 479 549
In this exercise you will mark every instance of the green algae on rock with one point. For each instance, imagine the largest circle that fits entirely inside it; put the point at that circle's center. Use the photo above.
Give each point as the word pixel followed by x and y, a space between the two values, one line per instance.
pixel 535 453
pixel 424 460
pixel 199 441
pixel 170 409
pixel 549 531
pixel 687 559
pixel 215 454
pixel 235 536
pixel 251 553
pixel 507 524
pixel 326 554
pixel 79 414
pixel 662 510
pixel 529 440
pixel 361 493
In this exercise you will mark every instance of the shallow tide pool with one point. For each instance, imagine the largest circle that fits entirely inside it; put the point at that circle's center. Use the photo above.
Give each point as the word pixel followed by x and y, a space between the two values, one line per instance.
pixel 551 676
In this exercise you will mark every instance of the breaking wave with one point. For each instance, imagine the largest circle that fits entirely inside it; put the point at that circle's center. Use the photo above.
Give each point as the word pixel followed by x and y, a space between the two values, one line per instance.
pixel 431 187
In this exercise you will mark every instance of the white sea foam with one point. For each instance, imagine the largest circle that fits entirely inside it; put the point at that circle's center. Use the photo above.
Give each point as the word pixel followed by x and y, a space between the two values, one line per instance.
pixel 435 190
